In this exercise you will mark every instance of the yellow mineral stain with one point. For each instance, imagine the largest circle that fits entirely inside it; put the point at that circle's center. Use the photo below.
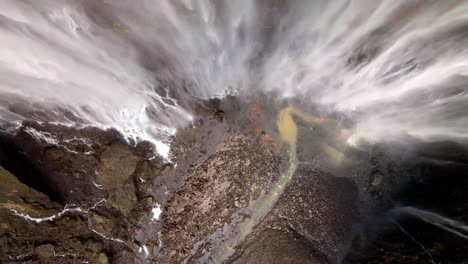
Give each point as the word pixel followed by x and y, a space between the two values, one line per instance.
pixel 287 127
pixel 288 133
pixel 22 208
pixel 308 118
pixel 334 154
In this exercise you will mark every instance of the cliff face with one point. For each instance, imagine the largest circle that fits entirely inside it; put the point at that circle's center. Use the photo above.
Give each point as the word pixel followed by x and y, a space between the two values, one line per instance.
pixel 72 195
pixel 75 195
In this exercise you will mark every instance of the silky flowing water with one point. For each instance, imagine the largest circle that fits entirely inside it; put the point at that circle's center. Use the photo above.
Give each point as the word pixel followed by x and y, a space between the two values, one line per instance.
pixel 395 70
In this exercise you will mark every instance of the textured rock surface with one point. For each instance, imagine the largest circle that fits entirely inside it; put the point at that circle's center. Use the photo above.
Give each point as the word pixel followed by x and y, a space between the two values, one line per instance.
pixel 117 164
pixel 229 180
pixel 62 213
pixel 315 215
pixel 85 195
pixel 15 195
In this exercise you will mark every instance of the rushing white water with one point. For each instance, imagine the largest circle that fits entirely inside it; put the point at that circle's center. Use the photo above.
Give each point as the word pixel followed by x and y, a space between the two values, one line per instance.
pixel 396 67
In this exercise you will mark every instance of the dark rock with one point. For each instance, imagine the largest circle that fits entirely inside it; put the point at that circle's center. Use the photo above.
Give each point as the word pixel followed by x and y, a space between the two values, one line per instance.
pixel 276 247
pixel 376 179
pixel 54 160
pixel 102 224
pixel 123 198
pixel 312 222
pixel 96 218
pixel 219 115
pixel 322 209
pixel 45 251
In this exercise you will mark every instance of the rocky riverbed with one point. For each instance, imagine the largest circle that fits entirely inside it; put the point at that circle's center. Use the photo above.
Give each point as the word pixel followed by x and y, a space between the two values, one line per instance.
pixel 84 195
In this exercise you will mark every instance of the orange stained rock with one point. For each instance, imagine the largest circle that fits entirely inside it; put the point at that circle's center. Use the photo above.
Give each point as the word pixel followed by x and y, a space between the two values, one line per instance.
pixel 277 145
pixel 257 124
pixel 254 115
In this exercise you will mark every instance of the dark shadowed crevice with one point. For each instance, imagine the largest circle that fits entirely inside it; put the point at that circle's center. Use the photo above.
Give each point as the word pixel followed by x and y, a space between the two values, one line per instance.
pixel 13 159
pixel 438 187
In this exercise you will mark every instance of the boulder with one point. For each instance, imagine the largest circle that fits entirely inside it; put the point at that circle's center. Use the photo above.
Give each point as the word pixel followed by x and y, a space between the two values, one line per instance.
pixel 116 166
pixel 45 251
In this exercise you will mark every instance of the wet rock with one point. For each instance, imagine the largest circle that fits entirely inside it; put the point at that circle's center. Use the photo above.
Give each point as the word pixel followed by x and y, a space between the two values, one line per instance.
pixel 167 168
pixel 219 169
pixel 219 115
pixel 438 187
pixel 117 164
pixel 52 163
pixel 124 198
pixel 148 201
pixel 322 209
pixel 102 224
pixel 45 251
pixel 376 179
pixel 143 178
pixel 54 154
pixel 312 222
pixel 277 247
pixel 54 160
pixel 15 195
pixel 102 259
pixel 228 181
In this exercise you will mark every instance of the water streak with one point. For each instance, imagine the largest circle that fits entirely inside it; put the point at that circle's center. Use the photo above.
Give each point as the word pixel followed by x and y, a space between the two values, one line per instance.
pixel 288 131
pixel 454 227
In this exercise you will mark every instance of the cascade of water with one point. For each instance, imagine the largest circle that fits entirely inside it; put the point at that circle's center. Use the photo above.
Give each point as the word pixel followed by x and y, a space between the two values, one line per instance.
pixel 120 64
pixel 397 68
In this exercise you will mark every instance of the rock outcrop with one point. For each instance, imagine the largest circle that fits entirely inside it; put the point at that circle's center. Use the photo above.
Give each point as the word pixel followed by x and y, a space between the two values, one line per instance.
pixel 85 195
pixel 71 195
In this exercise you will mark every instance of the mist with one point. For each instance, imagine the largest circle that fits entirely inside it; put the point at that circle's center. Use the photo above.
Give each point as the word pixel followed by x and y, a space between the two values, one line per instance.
pixel 397 69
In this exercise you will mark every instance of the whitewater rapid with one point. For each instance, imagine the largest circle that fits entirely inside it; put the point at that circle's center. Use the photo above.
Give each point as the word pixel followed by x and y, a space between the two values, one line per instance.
pixel 396 68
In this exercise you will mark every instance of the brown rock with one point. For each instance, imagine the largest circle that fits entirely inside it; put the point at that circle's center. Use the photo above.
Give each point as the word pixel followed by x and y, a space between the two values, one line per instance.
pixel 124 198
pixel 117 165
pixel 102 224
pixel 166 168
pixel 206 201
pixel 102 259
pixel 54 154
pixel 20 197
pixel 45 251
pixel 219 115
pixel 148 201
pixel 320 208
